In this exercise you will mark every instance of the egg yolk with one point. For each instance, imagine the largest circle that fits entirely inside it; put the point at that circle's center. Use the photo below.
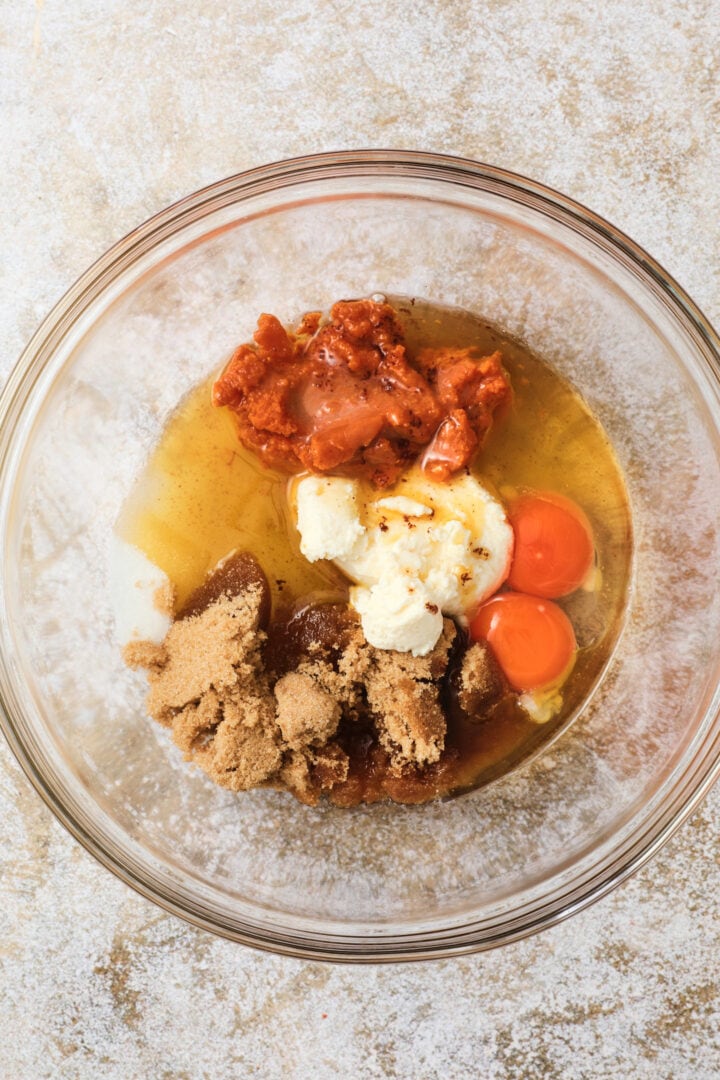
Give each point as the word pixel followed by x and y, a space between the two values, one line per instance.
pixel 553 545
pixel 532 638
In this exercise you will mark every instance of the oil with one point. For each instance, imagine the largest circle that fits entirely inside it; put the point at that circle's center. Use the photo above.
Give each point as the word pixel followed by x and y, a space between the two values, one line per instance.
pixel 203 494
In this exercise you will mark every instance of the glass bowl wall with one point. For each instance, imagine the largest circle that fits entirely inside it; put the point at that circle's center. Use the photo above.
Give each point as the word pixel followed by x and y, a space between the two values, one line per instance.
pixel 89 399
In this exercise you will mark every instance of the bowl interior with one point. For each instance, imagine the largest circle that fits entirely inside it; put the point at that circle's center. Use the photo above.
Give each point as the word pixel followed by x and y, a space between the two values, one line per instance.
pixel 167 318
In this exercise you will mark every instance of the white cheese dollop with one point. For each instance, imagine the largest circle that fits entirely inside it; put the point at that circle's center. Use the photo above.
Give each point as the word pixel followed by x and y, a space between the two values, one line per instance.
pixel 327 513
pixel 423 550
pixel 397 614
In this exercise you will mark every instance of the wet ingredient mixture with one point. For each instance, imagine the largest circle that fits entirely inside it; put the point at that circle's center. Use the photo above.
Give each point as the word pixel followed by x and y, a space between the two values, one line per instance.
pixel 399 549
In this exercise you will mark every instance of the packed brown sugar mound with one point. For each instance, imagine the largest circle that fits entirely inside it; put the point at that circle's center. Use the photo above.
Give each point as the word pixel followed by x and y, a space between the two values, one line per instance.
pixel 310 707
pixel 207 684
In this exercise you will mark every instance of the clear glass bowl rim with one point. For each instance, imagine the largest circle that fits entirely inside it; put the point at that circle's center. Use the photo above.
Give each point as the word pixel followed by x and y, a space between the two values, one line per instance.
pixel 702 770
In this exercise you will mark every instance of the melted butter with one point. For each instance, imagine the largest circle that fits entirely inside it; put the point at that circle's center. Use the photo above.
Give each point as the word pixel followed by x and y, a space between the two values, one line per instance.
pixel 203 494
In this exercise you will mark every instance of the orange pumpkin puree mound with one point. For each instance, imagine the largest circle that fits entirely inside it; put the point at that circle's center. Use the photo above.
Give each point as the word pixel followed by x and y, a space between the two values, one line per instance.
pixel 346 396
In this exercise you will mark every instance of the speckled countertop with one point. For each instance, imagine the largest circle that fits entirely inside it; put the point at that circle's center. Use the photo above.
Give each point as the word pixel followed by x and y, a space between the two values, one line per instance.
pixel 111 110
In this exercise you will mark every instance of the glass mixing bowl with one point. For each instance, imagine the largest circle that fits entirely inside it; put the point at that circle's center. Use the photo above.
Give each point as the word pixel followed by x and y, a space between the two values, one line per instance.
pixel 88 400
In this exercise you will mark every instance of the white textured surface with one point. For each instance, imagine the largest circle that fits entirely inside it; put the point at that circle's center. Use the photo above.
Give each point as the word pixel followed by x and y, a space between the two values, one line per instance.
pixel 134 585
pixel 110 111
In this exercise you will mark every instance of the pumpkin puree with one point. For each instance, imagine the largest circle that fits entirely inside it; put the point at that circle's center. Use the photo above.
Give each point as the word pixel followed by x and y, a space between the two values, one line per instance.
pixel 347 397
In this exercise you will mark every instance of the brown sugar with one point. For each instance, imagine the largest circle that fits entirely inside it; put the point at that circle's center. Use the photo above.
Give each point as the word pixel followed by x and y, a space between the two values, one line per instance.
pixel 144 654
pixel 208 685
pixel 164 599
pixel 309 774
pixel 306 713
pixel 237 572
pixel 412 728
pixel 218 649
pixel 403 692
pixel 312 709
pixel 480 681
